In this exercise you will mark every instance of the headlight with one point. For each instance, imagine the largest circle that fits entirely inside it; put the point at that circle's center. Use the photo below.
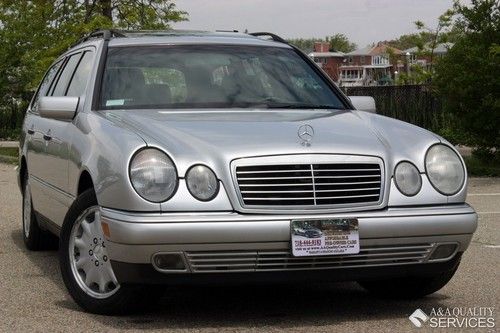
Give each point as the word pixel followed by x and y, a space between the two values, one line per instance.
pixel 153 175
pixel 407 179
pixel 202 183
pixel 444 169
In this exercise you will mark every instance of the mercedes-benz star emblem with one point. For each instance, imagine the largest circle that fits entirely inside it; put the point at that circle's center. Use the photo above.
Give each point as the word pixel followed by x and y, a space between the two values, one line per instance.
pixel 306 133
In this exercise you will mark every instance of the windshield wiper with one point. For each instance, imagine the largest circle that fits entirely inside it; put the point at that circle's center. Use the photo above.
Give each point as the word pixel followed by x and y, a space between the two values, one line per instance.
pixel 301 106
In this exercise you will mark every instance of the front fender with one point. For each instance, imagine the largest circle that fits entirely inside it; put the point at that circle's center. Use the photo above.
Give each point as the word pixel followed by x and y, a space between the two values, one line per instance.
pixel 103 149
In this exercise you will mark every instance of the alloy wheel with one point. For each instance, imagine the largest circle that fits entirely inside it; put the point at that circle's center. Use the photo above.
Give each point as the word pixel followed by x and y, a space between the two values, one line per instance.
pixel 88 256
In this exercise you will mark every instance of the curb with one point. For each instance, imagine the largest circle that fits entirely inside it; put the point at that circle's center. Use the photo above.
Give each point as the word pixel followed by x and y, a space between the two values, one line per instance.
pixel 9 144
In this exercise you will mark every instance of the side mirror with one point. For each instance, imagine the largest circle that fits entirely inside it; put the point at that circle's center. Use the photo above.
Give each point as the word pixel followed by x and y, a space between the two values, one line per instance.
pixel 60 108
pixel 364 103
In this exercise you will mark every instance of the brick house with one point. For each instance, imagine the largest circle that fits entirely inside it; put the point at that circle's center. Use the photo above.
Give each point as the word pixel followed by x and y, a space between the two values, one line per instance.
pixel 328 61
pixel 372 65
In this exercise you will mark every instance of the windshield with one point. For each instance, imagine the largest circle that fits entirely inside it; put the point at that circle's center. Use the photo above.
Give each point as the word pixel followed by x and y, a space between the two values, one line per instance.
pixel 211 76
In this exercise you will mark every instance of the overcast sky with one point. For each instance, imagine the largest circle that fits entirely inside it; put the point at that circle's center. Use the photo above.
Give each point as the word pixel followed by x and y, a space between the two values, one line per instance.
pixel 363 21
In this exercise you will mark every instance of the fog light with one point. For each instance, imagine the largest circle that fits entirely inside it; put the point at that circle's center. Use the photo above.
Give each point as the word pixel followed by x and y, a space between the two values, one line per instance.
pixel 443 251
pixel 169 262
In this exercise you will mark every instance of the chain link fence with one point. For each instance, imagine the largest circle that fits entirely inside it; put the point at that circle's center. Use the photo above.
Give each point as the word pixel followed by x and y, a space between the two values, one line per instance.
pixel 416 104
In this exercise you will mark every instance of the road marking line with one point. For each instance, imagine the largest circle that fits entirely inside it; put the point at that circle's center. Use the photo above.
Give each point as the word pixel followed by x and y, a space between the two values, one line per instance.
pixel 493 246
pixel 482 194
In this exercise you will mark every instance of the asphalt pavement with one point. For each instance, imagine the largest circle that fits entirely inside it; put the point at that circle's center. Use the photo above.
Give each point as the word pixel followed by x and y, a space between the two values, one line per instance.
pixel 33 297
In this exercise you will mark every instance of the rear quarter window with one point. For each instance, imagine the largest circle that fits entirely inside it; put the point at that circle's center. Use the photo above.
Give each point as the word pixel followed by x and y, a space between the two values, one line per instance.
pixel 45 84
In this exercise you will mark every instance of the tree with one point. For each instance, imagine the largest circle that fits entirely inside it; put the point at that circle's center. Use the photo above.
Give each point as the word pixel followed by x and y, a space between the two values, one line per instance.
pixel 340 42
pixel 468 78
pixel 135 14
pixel 437 35
pixel 305 44
pixel 35 32
pixel 404 42
pixel 426 41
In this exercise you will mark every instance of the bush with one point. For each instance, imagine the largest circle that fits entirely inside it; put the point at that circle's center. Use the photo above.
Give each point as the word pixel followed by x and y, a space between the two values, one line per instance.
pixel 468 77
pixel 482 163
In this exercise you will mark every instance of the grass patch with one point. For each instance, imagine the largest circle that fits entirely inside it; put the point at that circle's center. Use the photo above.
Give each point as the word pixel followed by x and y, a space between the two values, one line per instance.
pixel 480 167
pixel 10 152
pixel 9 155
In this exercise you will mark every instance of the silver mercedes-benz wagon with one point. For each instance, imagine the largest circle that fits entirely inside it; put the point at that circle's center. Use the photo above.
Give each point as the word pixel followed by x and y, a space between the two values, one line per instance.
pixel 184 157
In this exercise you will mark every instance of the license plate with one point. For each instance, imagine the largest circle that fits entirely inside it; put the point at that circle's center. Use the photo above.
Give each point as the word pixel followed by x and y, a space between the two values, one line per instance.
pixel 323 237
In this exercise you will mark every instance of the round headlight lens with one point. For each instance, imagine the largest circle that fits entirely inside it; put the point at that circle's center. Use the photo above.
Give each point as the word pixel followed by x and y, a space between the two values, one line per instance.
pixel 407 179
pixel 444 169
pixel 153 175
pixel 202 183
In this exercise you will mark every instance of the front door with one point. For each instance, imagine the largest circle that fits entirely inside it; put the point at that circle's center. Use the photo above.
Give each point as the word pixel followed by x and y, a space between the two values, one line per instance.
pixel 71 82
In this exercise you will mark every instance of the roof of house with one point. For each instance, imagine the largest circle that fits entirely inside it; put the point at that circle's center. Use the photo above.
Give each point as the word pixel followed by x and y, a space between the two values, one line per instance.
pixel 440 48
pixel 374 50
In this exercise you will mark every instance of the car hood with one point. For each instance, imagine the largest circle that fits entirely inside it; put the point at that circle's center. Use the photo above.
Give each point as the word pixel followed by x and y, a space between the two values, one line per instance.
pixel 216 137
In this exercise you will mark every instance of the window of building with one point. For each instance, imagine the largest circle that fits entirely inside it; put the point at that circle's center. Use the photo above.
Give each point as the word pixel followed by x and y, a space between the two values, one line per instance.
pixel 380 60
pixel 351 74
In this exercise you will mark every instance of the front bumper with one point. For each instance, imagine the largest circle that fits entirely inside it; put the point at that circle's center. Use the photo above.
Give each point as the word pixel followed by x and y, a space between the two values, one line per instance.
pixel 232 242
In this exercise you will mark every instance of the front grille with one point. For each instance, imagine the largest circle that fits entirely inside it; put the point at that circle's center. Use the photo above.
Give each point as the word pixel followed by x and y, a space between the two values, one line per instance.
pixel 325 184
pixel 268 260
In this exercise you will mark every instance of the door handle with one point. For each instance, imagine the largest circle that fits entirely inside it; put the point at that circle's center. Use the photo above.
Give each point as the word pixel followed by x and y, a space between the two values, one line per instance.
pixel 47 137
pixel 31 132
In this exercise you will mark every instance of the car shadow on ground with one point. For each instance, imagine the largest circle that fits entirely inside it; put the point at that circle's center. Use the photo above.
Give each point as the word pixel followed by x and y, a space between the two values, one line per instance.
pixel 246 306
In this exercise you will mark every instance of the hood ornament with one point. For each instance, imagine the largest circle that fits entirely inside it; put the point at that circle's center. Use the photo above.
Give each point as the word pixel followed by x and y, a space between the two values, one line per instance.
pixel 306 134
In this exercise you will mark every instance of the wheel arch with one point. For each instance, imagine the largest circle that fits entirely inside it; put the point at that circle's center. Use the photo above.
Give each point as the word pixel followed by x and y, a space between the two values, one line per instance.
pixel 85 182
pixel 23 171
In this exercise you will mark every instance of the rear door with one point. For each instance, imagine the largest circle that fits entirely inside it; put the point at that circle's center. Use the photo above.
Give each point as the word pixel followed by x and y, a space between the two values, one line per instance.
pixel 36 127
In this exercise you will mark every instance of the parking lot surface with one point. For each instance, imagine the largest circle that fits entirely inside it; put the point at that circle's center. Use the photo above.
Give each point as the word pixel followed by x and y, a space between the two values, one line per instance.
pixel 33 297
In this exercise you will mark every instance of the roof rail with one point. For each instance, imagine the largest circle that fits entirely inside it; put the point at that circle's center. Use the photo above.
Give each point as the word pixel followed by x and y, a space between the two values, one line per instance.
pixel 105 34
pixel 274 37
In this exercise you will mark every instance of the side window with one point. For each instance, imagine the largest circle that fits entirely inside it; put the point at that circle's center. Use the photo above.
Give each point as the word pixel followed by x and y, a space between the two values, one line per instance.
pixel 46 83
pixel 81 76
pixel 66 74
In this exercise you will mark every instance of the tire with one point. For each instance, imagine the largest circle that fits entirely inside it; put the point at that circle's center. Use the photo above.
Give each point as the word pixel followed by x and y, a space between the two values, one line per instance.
pixel 409 287
pixel 34 237
pixel 100 293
